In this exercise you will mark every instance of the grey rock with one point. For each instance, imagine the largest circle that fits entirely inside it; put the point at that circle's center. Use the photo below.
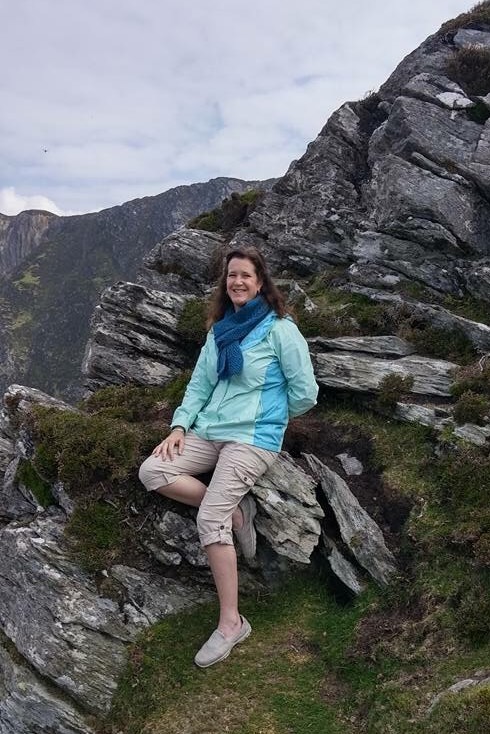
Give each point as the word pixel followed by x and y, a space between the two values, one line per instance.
pixel 288 512
pixel 438 90
pixel 15 501
pixel 69 634
pixel 380 345
pixel 341 567
pixel 180 535
pixel 435 417
pixel 361 373
pixel 150 596
pixel 29 706
pixel 135 338
pixel 351 465
pixel 7 450
pixel 467 37
pixel 62 498
pixel 478 435
pixel 188 253
pixel 358 530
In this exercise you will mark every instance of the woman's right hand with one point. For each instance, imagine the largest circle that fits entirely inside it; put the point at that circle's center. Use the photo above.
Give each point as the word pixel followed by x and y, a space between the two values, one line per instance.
pixel 175 441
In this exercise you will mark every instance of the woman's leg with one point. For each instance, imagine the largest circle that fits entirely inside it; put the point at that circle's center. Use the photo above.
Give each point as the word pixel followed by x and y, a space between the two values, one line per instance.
pixel 223 564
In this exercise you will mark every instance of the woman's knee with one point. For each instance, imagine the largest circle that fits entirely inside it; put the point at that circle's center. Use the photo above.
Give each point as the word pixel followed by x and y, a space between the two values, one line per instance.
pixel 151 474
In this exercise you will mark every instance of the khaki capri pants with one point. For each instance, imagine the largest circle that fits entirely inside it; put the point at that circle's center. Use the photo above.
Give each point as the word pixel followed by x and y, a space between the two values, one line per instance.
pixel 236 468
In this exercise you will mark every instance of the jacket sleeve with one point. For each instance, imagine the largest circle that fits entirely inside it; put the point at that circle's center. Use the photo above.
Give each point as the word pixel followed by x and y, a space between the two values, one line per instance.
pixel 198 390
pixel 294 357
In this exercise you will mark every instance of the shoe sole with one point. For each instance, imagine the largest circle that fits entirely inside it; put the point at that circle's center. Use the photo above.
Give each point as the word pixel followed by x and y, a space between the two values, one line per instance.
pixel 253 513
pixel 223 657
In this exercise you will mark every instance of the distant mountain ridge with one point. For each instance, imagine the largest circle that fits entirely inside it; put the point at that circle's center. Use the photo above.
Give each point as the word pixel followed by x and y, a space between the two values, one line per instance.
pixel 53 269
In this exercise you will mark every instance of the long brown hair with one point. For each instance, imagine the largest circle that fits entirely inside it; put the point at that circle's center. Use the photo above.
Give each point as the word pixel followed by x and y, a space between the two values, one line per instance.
pixel 220 301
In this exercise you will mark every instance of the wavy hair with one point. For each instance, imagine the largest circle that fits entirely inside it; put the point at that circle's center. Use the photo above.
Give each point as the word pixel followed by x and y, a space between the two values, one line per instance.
pixel 220 301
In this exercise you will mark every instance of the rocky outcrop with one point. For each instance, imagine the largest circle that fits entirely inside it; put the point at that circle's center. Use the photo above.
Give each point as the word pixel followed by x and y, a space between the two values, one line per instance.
pixel 135 338
pixel 289 514
pixel 357 529
pixel 361 373
pixel 29 704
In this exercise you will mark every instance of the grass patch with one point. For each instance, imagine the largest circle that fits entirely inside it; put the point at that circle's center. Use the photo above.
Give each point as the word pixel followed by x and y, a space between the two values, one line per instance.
pixel 478 14
pixel 276 682
pixel 28 476
pixel 469 307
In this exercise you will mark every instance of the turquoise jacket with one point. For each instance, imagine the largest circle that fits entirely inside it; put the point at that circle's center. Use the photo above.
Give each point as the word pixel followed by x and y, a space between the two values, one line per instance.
pixel 253 407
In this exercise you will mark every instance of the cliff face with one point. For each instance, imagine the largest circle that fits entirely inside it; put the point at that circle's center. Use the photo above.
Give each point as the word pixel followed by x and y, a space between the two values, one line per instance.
pixel 54 269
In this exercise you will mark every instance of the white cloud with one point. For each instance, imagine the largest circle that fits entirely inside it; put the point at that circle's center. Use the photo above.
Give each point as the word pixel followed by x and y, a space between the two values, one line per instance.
pixel 112 100
pixel 12 203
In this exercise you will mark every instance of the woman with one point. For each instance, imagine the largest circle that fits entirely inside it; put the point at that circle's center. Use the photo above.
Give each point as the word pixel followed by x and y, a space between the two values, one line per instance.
pixel 253 373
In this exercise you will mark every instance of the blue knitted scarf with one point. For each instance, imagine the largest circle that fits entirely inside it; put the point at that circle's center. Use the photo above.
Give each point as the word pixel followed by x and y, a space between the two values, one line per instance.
pixel 231 329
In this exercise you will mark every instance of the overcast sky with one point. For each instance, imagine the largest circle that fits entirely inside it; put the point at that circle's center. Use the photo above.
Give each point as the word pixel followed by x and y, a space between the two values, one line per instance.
pixel 104 101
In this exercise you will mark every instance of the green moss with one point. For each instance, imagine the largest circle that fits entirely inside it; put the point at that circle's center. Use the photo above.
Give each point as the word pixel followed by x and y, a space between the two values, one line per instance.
pixel 28 476
pixel 82 450
pixel 132 403
pixel 208 221
pixel 271 683
pixel 96 535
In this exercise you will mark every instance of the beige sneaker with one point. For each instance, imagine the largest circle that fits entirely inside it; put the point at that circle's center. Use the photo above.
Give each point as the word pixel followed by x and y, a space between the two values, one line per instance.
pixel 246 535
pixel 218 647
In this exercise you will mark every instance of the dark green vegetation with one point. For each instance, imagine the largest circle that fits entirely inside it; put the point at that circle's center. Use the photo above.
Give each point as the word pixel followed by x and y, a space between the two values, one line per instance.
pixel 391 389
pixel 41 489
pixel 96 454
pixel 320 662
pixel 470 68
pixel 232 213
pixel 478 15
pixel 192 323
pixel 472 390
pixel 340 313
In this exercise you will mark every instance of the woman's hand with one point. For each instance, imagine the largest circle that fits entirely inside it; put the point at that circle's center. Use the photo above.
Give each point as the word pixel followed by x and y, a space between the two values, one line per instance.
pixel 175 441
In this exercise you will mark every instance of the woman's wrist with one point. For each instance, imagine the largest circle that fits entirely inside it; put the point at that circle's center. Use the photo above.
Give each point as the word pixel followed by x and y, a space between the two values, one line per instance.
pixel 178 428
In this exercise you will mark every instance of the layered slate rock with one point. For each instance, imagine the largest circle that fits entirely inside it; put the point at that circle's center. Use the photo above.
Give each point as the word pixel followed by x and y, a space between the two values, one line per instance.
pixel 51 610
pixel 362 373
pixel 183 262
pixel 135 338
pixel 176 539
pixel 288 511
pixel 340 566
pixel 28 704
pixel 358 530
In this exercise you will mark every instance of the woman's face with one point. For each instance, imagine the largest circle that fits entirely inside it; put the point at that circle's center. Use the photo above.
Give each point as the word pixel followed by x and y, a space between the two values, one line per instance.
pixel 242 283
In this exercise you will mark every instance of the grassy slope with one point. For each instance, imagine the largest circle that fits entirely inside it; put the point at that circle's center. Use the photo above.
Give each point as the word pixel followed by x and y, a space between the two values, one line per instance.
pixel 317 663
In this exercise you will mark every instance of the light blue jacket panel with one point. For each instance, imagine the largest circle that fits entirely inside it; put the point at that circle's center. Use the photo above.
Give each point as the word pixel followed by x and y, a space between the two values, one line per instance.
pixel 253 407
